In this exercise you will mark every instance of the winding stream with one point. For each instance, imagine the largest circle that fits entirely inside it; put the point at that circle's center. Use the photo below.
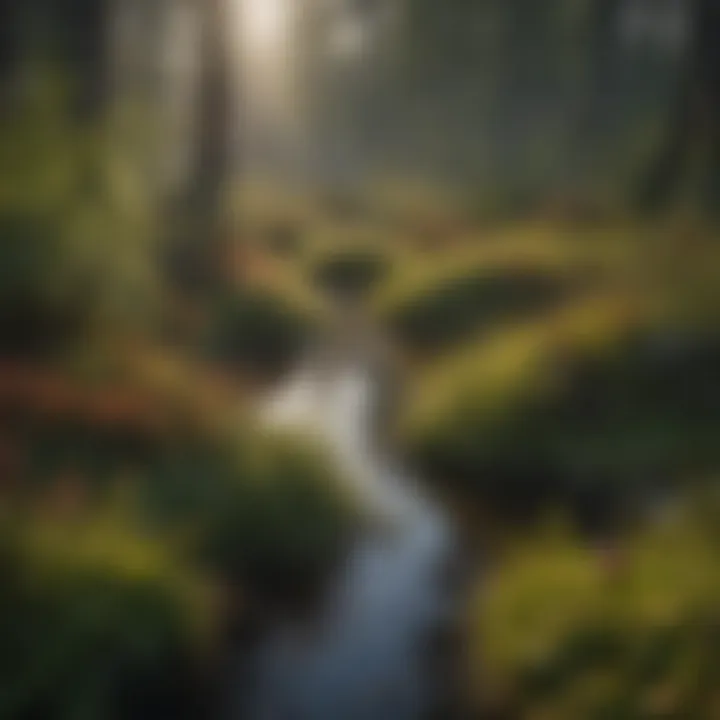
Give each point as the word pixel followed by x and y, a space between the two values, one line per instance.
pixel 368 657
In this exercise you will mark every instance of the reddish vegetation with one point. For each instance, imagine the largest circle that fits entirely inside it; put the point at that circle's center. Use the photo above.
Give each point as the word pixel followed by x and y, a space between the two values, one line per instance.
pixel 27 391
pixel 156 397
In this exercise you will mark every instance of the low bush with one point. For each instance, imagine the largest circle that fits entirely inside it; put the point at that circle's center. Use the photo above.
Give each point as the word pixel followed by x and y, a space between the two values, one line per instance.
pixel 350 271
pixel 284 520
pixel 98 620
pixel 76 234
pixel 431 307
pixel 563 631
pixel 263 329
pixel 593 409
pixel 266 511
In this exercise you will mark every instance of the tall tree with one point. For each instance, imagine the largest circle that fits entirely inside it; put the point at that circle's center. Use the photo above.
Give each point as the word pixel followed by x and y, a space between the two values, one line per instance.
pixel 214 110
pixel 691 150
pixel 199 249
pixel 593 104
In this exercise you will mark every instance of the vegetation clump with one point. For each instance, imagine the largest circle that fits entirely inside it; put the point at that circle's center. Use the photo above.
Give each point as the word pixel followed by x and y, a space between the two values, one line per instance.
pixel 434 306
pixel 260 329
pixel 562 630
pixel 595 407
pixel 350 270
pixel 99 620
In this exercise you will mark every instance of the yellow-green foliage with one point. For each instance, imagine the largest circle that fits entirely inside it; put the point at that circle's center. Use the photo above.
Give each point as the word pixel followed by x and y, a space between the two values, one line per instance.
pixel 588 407
pixel 95 616
pixel 433 304
pixel 501 375
pixel 76 230
pixel 259 509
pixel 590 401
pixel 263 510
pixel 282 519
pixel 562 631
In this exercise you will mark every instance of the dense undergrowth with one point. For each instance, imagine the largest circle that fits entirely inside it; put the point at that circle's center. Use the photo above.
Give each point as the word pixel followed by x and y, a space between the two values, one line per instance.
pixel 601 396
pixel 597 400
pixel 567 631
pixel 147 517
pixel 99 619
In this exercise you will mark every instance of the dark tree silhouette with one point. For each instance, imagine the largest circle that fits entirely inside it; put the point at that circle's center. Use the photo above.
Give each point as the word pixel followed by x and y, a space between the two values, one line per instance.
pixel 199 234
pixel 213 146
pixel 692 145
pixel 74 33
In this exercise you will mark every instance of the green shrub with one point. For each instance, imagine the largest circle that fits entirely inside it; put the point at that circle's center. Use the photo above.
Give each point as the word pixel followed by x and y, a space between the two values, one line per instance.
pixel 587 409
pixel 261 328
pixel 76 233
pixel 97 620
pixel 37 316
pixel 199 466
pixel 564 632
pixel 429 308
pixel 284 520
pixel 266 512
pixel 350 271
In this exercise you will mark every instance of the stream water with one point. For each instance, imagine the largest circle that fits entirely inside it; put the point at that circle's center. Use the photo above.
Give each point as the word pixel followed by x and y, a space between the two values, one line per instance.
pixel 368 656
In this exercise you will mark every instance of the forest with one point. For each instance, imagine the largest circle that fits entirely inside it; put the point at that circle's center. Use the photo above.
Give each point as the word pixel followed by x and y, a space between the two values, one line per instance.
pixel 359 359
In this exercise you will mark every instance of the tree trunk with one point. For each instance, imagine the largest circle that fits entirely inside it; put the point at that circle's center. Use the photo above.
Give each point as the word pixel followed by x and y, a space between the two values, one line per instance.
pixel 198 252
pixel 10 41
pixel 692 146
pixel 214 113
pixel 85 40
pixel 594 107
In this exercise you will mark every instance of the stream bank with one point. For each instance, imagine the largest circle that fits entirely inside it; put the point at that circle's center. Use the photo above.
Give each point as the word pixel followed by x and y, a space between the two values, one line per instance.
pixel 381 647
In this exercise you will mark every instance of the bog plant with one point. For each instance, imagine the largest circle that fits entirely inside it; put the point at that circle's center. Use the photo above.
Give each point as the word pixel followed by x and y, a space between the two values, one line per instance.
pixel 264 512
pixel 434 306
pixel 76 231
pixel 565 631
pixel 98 620
pixel 595 408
